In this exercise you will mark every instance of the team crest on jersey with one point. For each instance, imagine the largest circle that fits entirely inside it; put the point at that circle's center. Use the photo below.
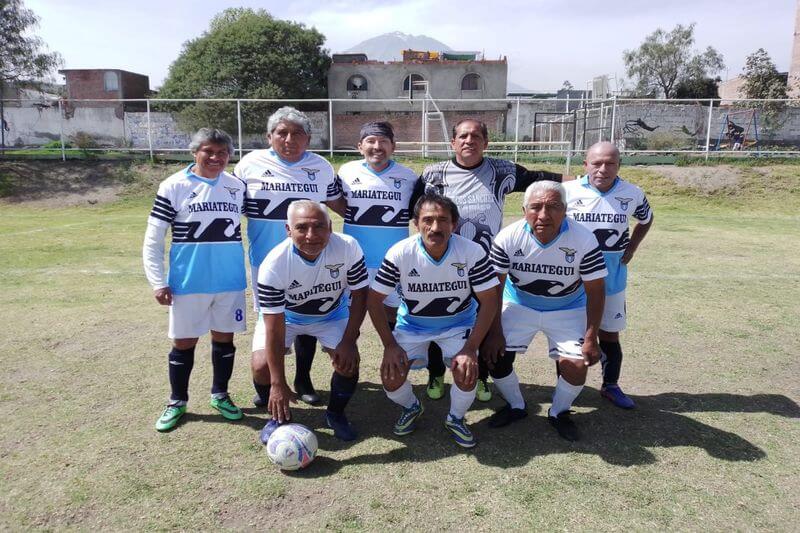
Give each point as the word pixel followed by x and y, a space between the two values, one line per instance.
pixel 334 269
pixel 459 268
pixel 623 202
pixel 569 254
pixel 312 172
pixel 398 182
pixel 232 191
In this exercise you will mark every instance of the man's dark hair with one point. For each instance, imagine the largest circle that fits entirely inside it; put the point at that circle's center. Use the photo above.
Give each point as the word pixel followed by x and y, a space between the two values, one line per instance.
pixel 484 129
pixel 436 199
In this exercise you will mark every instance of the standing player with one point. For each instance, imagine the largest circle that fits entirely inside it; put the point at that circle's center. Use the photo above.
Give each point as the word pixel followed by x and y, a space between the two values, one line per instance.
pixel 553 273
pixel 205 286
pixel 605 203
pixel 302 290
pixel 275 178
pixel 478 185
pixel 439 276
pixel 379 194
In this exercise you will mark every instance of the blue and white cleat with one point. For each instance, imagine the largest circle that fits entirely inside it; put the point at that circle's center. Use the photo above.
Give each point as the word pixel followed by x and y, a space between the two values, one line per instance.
pixel 463 436
pixel 408 418
pixel 268 429
pixel 615 395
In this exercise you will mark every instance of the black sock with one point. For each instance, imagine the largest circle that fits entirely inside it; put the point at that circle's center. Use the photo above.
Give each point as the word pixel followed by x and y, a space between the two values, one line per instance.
pixel 222 355
pixel 262 391
pixel 612 361
pixel 436 366
pixel 180 368
pixel 342 389
pixel 483 369
pixel 304 348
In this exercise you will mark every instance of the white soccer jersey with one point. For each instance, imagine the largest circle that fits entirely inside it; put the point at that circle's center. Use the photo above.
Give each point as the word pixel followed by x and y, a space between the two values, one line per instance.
pixel 435 295
pixel 547 277
pixel 206 254
pixel 608 216
pixel 378 207
pixel 272 184
pixel 311 291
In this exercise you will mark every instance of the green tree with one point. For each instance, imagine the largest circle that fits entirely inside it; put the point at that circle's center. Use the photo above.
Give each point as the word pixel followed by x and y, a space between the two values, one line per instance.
pixel 246 53
pixel 698 88
pixel 762 80
pixel 666 59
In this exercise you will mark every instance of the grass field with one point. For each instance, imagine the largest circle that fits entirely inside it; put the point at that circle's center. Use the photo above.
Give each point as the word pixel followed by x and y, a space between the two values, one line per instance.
pixel 711 360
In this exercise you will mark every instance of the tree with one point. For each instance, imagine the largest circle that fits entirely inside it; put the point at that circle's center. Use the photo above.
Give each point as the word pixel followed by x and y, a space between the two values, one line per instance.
pixel 666 59
pixel 698 88
pixel 22 57
pixel 761 77
pixel 246 54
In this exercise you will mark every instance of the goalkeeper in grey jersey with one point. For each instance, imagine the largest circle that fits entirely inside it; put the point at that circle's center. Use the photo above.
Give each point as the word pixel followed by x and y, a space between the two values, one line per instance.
pixel 478 185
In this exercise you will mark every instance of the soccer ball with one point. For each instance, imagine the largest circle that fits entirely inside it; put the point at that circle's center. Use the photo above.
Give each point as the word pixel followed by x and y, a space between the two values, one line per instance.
pixel 292 446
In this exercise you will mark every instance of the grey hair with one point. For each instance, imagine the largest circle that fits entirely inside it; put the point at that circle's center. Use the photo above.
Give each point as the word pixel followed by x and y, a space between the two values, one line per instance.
pixel 289 114
pixel 542 186
pixel 300 205
pixel 210 136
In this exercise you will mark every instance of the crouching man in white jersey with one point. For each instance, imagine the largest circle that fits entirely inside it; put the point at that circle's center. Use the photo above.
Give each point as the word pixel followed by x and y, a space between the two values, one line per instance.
pixel 605 204
pixel 202 204
pixel 439 275
pixel 302 290
pixel 553 273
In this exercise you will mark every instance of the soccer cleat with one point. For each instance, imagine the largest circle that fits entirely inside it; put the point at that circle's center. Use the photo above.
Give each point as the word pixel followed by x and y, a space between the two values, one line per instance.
pixel 564 425
pixel 258 401
pixel 616 396
pixel 484 393
pixel 435 387
pixel 341 427
pixel 226 408
pixel 268 429
pixel 506 415
pixel 407 421
pixel 463 436
pixel 306 393
pixel 169 418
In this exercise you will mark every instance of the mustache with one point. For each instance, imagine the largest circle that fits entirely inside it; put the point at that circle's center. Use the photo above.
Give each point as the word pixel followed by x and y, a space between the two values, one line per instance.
pixel 435 234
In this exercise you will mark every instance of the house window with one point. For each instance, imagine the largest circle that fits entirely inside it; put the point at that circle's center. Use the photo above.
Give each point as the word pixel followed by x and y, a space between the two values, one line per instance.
pixel 471 82
pixel 111 81
pixel 410 80
pixel 357 83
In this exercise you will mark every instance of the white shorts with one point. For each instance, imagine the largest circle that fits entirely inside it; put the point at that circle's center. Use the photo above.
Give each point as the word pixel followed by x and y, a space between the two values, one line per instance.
pixel 392 299
pixel 564 329
pixel 416 344
pixel 194 315
pixel 615 316
pixel 329 334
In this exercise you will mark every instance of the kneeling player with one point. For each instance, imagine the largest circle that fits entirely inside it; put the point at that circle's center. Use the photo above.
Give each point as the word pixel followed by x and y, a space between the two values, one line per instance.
pixel 302 290
pixel 553 273
pixel 205 288
pixel 438 273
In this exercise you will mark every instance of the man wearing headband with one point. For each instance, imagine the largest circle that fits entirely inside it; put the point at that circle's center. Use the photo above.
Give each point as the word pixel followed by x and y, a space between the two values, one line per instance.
pixel 379 194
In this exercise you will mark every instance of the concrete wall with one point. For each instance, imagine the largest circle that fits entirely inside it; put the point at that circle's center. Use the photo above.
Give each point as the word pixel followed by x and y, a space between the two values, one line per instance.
pixel 32 126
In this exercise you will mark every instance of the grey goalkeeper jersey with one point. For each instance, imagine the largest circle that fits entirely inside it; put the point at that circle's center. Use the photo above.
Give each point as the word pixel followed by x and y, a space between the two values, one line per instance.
pixel 480 192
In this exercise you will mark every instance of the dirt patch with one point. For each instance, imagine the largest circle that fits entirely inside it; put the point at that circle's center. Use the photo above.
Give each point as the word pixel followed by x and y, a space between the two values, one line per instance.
pixel 705 179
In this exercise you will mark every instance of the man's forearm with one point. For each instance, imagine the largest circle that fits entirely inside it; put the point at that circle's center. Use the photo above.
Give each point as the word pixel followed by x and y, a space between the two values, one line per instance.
pixel 275 328
pixel 485 318
pixel 377 314
pixel 358 310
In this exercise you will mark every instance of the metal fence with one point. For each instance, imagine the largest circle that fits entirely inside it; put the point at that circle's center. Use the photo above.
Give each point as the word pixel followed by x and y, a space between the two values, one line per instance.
pixel 519 128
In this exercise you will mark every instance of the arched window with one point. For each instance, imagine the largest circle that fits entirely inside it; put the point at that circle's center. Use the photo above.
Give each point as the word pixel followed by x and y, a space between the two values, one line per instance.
pixel 357 82
pixel 471 82
pixel 410 79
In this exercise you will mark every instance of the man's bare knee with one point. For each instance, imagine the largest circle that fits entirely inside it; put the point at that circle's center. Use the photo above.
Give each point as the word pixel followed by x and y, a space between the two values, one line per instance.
pixel 392 385
pixel 184 344
pixel 258 363
pixel 573 370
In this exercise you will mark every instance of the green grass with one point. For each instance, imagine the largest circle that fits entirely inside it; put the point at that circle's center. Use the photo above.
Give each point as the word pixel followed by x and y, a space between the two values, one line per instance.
pixel 711 359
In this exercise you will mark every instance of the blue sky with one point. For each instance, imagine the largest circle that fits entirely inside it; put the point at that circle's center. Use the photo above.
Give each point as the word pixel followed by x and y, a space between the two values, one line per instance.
pixel 546 41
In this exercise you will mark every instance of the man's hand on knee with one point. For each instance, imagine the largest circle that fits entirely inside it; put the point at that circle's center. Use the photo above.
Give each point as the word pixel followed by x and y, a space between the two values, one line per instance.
pixel 465 371
pixel 345 358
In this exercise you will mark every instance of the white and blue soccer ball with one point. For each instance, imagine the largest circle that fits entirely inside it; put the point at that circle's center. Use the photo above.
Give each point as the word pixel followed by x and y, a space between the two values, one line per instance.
pixel 292 446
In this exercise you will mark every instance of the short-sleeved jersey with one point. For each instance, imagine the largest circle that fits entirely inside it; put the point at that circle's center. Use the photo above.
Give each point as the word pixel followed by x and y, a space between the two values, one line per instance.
pixel 272 184
pixel 311 291
pixel 480 192
pixel 377 206
pixel 206 255
pixel 435 295
pixel 547 277
pixel 608 216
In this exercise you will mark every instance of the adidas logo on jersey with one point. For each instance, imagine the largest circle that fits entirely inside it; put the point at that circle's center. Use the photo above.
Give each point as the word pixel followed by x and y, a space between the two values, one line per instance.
pixel 413 273
pixel 266 174
pixel 618 315
pixel 519 253
pixel 579 202
pixel 295 284
pixel 356 181
pixel 193 195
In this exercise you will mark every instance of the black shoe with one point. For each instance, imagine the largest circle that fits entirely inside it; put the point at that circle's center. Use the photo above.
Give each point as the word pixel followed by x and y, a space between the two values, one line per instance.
pixel 307 394
pixel 506 415
pixel 564 425
pixel 258 401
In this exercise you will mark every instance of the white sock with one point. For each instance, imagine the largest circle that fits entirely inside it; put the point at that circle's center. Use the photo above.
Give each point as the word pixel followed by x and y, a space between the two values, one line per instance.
pixel 404 396
pixel 460 400
pixel 563 396
pixel 509 388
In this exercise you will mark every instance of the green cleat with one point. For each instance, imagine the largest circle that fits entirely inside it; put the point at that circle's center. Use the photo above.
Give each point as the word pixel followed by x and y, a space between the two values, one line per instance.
pixel 484 393
pixel 435 387
pixel 226 408
pixel 408 419
pixel 169 418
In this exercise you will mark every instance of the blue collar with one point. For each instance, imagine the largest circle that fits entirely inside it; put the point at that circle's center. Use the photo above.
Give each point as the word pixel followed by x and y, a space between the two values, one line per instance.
pixel 285 162
pixel 191 175
pixel 584 181
pixel 384 171
pixel 428 256
pixel 563 229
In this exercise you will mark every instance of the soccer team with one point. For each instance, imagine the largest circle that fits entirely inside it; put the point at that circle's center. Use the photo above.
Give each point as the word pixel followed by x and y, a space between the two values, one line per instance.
pixel 462 293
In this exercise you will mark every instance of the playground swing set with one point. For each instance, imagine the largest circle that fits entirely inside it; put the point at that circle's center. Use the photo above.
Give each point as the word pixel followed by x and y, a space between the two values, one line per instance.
pixel 733 136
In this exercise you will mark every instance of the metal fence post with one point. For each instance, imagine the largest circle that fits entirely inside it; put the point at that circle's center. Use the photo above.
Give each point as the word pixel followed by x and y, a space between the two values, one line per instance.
pixel 330 127
pixel 61 127
pixel 239 124
pixel 708 126
pixel 516 132
pixel 149 133
pixel 613 116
